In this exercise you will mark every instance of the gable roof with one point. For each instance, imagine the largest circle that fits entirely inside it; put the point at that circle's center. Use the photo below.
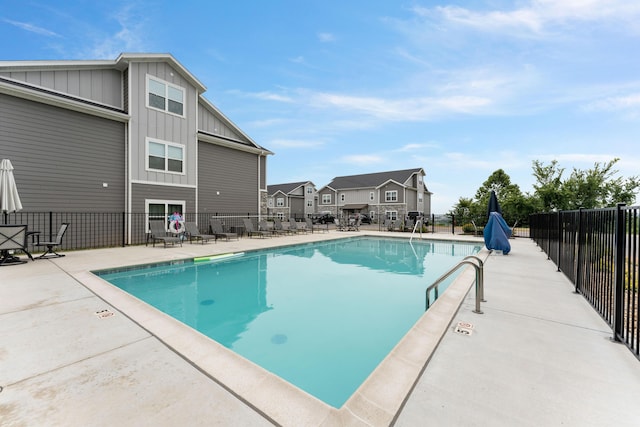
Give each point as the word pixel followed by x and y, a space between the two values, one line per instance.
pixel 371 180
pixel 285 188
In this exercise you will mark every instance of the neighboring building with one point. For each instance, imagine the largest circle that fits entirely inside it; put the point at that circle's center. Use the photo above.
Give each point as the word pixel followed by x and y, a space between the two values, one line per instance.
pixel 381 195
pixel 297 199
pixel 134 135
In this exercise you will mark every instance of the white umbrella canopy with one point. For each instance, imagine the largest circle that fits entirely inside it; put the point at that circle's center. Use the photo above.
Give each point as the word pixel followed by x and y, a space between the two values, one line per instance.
pixel 9 198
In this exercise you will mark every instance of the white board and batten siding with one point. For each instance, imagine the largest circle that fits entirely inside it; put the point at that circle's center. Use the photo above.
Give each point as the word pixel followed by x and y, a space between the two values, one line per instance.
pixel 147 123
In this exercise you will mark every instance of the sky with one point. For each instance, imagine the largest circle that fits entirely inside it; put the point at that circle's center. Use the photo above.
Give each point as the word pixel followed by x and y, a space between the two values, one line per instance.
pixel 333 88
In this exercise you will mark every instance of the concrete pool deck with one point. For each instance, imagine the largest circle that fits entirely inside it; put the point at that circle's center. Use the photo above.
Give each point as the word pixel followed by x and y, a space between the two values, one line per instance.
pixel 539 355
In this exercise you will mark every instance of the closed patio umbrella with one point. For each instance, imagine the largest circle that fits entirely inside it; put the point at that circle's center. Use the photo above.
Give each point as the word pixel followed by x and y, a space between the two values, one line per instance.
pixel 493 206
pixel 9 198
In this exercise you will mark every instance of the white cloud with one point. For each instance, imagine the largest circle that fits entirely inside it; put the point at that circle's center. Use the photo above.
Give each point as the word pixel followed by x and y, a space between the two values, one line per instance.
pixel 363 159
pixel 292 143
pixel 32 28
pixel 129 38
pixel 538 17
pixel 326 37
pixel 615 103
pixel 409 109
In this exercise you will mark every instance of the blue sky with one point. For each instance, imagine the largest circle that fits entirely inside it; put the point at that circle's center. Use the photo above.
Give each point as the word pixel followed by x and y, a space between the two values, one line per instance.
pixel 336 88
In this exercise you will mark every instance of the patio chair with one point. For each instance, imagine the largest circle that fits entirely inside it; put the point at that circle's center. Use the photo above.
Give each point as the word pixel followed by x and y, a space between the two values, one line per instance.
pixel 50 253
pixel 13 237
pixel 216 229
pixel 295 228
pixel 280 228
pixel 159 233
pixel 251 231
pixel 194 233
pixel 311 226
pixel 263 225
pixel 340 225
pixel 354 225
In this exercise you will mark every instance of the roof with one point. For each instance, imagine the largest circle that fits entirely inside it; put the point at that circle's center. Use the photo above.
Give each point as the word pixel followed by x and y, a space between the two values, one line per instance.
pixel 285 188
pixel 371 180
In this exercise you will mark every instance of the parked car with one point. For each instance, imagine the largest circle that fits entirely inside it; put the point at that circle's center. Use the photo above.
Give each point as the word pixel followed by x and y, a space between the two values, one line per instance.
pixel 364 218
pixel 325 219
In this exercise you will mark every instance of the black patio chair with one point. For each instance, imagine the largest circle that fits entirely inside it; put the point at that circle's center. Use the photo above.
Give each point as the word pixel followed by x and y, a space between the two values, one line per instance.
pixel 50 253
pixel 13 237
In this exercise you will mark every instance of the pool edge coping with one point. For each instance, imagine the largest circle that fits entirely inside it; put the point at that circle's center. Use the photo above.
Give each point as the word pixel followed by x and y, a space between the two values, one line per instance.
pixel 377 401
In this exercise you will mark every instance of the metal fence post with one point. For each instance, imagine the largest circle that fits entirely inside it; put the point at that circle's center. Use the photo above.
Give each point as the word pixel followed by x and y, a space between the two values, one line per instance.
pixel 618 317
pixel 453 224
pixel 578 261
pixel 560 234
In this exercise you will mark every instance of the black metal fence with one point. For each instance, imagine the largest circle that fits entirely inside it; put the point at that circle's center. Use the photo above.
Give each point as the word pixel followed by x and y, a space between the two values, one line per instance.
pixel 598 250
pixel 91 230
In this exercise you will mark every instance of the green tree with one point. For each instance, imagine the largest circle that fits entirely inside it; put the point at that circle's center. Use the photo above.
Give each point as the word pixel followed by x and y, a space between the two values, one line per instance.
pixel 592 188
pixel 515 206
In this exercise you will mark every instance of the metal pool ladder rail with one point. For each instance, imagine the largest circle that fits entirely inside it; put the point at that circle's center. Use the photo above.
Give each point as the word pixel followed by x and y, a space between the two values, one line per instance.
pixel 479 267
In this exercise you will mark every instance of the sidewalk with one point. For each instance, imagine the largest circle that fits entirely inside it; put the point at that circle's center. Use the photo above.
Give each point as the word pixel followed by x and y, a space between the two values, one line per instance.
pixel 538 356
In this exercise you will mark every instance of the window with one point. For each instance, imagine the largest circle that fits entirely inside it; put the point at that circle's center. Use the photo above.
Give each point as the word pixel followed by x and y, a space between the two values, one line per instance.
pixel 391 196
pixel 392 215
pixel 371 196
pixel 419 197
pixel 309 203
pixel 280 202
pixel 342 197
pixel 270 203
pixel 280 216
pixel 165 96
pixel 165 157
pixel 326 199
pixel 309 190
pixel 162 209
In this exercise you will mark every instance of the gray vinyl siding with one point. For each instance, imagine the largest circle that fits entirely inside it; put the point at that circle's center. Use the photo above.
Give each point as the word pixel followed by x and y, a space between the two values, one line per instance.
pixel 103 86
pixel 159 125
pixel 391 187
pixel 62 157
pixel 412 200
pixel 297 207
pixel 143 192
pixel 263 172
pixel 230 172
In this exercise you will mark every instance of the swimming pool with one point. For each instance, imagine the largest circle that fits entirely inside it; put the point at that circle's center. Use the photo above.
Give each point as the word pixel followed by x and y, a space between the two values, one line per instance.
pixel 322 316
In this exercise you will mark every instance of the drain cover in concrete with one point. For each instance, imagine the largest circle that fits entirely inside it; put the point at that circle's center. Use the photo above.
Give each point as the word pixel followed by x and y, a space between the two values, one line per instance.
pixel 464 328
pixel 103 314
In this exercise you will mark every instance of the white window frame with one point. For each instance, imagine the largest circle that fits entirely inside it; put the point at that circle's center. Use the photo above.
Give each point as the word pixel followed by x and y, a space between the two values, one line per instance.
pixel 167 96
pixel 391 196
pixel 280 216
pixel 326 199
pixel 309 203
pixel 166 156
pixel 270 202
pixel 371 196
pixel 166 204
pixel 342 197
pixel 280 202
pixel 309 190
pixel 391 215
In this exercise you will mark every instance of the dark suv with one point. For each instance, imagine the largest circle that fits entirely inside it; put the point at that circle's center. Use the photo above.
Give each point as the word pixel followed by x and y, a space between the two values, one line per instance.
pixel 325 219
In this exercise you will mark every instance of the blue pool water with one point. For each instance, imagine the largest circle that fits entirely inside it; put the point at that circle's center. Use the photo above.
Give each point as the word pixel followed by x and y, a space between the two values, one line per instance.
pixel 322 315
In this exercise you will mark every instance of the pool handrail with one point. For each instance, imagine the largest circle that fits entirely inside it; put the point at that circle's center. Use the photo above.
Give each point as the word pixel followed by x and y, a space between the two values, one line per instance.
pixel 468 260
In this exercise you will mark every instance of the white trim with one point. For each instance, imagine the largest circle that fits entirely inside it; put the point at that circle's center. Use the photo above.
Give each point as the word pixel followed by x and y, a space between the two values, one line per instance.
pixel 235 144
pixel 162 184
pixel 147 140
pixel 58 101
pixel 148 202
pixel 167 85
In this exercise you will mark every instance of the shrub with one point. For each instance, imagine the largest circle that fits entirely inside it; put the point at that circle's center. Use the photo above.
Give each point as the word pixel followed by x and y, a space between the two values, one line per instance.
pixel 468 228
